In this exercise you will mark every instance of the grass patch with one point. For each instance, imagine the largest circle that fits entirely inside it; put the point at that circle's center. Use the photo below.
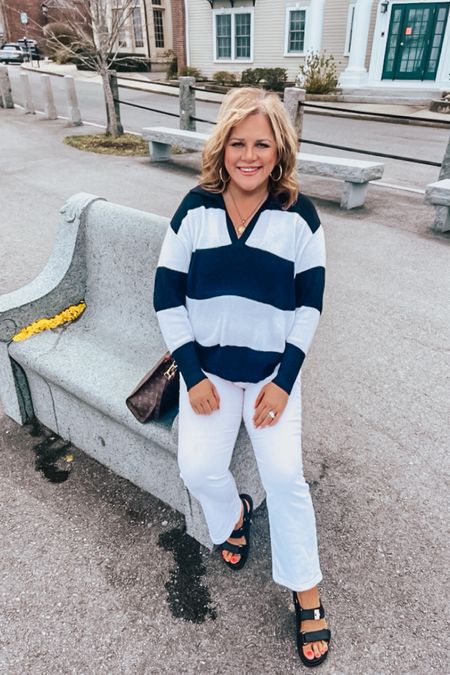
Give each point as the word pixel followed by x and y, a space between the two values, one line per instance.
pixel 127 145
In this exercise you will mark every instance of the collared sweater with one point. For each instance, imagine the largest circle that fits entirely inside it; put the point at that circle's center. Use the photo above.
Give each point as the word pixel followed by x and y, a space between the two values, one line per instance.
pixel 240 307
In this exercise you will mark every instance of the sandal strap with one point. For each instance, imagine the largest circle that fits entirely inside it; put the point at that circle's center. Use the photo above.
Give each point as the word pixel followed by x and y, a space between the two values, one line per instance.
pixel 232 548
pixel 315 636
pixel 312 614
pixel 240 532
pixel 243 530
pixel 248 506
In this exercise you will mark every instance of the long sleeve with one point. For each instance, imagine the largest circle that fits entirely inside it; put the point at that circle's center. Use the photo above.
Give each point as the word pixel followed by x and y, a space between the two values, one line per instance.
pixel 170 297
pixel 309 289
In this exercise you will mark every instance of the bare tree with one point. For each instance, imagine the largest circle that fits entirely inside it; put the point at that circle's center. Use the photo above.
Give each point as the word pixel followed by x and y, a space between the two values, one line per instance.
pixel 93 32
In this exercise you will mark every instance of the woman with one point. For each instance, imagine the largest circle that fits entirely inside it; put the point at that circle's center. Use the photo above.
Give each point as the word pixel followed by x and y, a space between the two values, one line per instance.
pixel 238 295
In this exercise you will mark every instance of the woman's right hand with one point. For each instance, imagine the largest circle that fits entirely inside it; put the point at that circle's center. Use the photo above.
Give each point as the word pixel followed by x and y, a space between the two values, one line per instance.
pixel 204 397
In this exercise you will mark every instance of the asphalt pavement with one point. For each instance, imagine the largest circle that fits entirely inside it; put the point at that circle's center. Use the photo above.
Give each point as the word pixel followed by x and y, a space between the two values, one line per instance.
pixel 363 135
pixel 97 577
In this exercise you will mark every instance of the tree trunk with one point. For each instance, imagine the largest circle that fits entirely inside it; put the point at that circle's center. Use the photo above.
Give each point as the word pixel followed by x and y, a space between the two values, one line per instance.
pixel 112 125
pixel 445 167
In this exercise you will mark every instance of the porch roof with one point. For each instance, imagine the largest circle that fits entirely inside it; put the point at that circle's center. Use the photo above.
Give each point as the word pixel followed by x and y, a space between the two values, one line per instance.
pixel 211 2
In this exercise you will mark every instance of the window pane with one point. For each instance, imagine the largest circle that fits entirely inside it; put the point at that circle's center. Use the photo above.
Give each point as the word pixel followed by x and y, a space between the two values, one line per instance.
pixel 118 24
pixel 297 31
pixel 392 46
pixel 223 36
pixel 437 40
pixel 159 27
pixel 243 27
pixel 137 27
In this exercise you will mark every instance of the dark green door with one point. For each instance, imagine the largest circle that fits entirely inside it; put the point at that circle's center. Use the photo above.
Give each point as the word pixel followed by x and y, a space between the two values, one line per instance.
pixel 416 33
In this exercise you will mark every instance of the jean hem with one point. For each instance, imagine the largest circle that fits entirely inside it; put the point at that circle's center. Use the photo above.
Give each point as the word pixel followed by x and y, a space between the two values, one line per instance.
pixel 227 536
pixel 302 586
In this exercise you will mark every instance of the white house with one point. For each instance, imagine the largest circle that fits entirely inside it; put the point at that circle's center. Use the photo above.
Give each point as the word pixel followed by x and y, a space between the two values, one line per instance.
pixel 377 44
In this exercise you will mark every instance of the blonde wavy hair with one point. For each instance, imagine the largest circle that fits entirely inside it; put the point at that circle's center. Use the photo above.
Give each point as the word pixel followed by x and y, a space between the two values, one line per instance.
pixel 236 106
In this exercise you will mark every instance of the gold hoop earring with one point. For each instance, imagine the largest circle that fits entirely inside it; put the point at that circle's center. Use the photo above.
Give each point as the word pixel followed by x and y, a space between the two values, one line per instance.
pixel 277 180
pixel 222 178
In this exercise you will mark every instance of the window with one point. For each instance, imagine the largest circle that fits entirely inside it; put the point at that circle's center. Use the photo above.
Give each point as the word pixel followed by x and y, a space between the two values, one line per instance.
pixel 159 28
pixel 349 35
pixel 118 25
pixel 233 32
pixel 156 2
pixel 296 22
pixel 137 27
pixel 242 36
pixel 223 36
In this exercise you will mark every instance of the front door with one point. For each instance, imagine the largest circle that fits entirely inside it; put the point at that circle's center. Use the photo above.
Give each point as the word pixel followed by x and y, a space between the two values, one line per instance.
pixel 416 33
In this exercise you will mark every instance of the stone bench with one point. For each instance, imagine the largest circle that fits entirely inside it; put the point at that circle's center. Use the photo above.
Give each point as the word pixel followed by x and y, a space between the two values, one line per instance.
pixel 438 195
pixel 74 379
pixel 355 173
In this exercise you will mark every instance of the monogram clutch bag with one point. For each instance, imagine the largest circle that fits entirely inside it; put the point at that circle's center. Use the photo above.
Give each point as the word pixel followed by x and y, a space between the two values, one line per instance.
pixel 157 393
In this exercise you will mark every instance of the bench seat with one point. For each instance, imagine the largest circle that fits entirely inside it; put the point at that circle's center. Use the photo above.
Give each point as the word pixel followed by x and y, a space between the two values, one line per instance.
pixel 438 195
pixel 103 375
pixel 355 173
pixel 75 378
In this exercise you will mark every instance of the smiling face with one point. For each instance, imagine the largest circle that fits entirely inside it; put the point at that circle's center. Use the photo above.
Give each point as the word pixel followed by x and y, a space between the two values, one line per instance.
pixel 250 154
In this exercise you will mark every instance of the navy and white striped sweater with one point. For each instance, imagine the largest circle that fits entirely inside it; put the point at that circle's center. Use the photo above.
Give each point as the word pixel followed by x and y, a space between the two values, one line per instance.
pixel 240 306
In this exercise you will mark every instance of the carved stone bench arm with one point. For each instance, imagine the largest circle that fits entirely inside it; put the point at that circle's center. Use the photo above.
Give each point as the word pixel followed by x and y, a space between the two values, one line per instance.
pixel 61 283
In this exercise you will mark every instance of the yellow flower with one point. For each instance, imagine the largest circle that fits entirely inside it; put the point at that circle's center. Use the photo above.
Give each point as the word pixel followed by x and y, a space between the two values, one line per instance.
pixel 66 316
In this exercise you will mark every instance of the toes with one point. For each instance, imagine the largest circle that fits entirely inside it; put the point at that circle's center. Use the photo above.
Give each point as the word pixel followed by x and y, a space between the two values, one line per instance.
pixel 316 648
pixel 230 557
pixel 308 652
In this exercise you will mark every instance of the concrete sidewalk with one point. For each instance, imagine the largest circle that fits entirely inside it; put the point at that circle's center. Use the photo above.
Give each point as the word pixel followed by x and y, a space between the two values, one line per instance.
pixel 97 577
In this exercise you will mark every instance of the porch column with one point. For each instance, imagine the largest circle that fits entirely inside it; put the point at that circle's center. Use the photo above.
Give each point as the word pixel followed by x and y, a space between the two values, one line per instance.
pixel 356 74
pixel 315 21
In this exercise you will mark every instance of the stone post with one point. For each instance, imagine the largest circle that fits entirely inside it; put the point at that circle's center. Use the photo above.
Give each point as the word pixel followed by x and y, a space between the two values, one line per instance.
pixel 6 99
pixel 50 108
pixel 187 103
pixel 28 106
pixel 72 101
pixel 293 100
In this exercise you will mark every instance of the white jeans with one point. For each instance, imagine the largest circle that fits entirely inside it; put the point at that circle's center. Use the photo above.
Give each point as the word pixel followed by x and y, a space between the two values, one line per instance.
pixel 206 445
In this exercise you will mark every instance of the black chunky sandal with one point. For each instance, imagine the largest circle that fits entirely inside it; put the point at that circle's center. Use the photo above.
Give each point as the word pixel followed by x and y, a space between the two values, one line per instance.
pixel 310 636
pixel 244 531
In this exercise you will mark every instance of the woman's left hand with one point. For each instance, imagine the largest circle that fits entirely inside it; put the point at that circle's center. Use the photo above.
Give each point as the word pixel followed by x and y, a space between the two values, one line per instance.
pixel 271 398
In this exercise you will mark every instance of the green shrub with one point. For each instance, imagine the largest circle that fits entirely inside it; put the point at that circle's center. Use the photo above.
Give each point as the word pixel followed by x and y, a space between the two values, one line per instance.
pixel 318 74
pixel 251 76
pixel 223 77
pixel 172 67
pixel 188 71
pixel 61 55
pixel 127 63
pixel 269 78
pixel 275 78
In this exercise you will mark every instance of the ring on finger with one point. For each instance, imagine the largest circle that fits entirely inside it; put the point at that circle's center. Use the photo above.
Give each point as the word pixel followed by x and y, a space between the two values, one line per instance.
pixel 271 414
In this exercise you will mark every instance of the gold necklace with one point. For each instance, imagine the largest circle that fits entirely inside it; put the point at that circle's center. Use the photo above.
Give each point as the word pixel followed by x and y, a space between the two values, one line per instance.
pixel 243 225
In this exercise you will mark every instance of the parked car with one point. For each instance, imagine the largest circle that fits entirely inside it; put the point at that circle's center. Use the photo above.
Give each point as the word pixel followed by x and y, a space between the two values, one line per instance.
pixel 30 47
pixel 12 52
